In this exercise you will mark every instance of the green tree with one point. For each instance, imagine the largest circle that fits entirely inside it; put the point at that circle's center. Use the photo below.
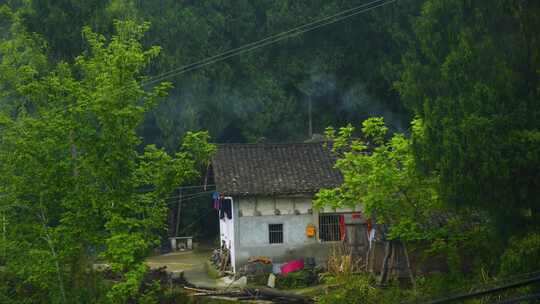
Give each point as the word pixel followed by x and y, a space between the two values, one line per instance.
pixel 472 76
pixel 23 59
pixel 381 174
pixel 60 23
pixel 71 173
pixel 346 69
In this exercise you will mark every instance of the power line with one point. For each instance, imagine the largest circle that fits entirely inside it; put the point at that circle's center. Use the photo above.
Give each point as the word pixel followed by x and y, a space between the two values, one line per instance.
pixel 197 186
pixel 262 43
pixel 271 40
pixel 522 299
pixel 198 194
pixel 197 220
pixel 183 200
pixel 484 286
pixel 475 294
pixel 152 188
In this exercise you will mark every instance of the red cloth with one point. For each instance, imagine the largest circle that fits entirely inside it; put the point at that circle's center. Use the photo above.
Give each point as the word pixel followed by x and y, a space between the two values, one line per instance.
pixel 342 227
pixel 292 266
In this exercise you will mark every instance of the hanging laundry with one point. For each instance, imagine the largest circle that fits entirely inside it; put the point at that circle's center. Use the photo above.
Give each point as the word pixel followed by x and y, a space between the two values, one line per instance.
pixel 342 227
pixel 220 207
pixel 370 232
pixel 226 208
pixel 215 200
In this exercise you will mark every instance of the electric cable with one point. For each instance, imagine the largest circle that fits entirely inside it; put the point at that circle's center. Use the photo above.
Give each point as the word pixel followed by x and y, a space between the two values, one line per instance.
pixel 366 7
pixel 271 39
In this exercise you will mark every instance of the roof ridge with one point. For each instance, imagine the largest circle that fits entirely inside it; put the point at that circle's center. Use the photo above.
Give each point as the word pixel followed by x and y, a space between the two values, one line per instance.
pixel 266 168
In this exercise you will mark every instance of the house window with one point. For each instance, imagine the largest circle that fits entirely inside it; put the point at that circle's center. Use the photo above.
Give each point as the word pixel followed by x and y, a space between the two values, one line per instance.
pixel 275 233
pixel 329 227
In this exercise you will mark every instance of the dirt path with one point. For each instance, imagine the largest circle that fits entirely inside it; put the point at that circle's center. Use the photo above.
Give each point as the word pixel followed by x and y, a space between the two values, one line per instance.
pixel 178 261
pixel 192 265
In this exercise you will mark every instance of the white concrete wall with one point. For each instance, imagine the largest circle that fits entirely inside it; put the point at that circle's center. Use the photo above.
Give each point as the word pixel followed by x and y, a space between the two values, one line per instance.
pixel 227 234
pixel 357 208
pixel 260 206
pixel 253 215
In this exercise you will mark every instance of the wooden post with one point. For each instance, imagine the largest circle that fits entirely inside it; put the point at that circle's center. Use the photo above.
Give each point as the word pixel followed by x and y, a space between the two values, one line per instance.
pixel 178 212
pixel 387 255
pixel 368 257
pixel 408 261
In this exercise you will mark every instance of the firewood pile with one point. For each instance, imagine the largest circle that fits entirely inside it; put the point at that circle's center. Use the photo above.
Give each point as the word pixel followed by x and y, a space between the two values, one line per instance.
pixel 221 258
pixel 252 294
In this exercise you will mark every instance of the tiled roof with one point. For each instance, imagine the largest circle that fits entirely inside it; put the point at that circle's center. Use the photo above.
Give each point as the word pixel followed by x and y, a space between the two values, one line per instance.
pixel 267 169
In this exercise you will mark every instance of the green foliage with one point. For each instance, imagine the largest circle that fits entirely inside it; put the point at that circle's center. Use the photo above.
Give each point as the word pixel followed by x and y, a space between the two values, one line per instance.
pixel 382 175
pixel 129 288
pixel 298 279
pixel 63 24
pixel 22 60
pixel 522 255
pixel 73 121
pixel 234 100
pixel 475 87
pixel 71 170
pixel 375 130
pixel 359 289
pixel 434 286
pixel 195 145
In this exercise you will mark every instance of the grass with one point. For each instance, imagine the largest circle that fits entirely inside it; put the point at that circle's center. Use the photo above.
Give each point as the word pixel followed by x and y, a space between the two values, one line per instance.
pixel 311 291
pixel 211 270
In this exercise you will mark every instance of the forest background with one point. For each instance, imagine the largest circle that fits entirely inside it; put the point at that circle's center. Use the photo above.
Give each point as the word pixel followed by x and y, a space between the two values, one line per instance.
pixel 469 71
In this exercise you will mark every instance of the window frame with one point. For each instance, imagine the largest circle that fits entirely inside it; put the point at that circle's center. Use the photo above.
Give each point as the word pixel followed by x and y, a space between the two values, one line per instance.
pixel 329 227
pixel 274 237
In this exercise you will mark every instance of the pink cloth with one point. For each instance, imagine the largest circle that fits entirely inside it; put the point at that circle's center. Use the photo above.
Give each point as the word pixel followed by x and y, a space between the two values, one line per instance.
pixel 292 266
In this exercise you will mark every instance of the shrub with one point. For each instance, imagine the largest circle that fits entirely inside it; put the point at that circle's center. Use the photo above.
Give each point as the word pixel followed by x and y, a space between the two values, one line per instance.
pixel 357 290
pixel 522 255
pixel 341 263
pixel 298 279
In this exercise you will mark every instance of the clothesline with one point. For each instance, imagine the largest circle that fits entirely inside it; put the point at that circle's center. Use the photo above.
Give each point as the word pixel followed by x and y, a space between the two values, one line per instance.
pixel 183 200
pixel 196 186
pixel 190 195
pixel 223 205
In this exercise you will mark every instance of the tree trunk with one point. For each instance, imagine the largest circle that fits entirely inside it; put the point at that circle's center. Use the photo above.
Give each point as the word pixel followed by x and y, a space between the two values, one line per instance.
pixel 368 257
pixel 408 261
pixel 49 241
pixel 384 271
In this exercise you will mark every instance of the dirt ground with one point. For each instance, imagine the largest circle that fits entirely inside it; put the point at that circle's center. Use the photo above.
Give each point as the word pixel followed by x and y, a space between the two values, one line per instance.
pixel 192 264
pixel 179 261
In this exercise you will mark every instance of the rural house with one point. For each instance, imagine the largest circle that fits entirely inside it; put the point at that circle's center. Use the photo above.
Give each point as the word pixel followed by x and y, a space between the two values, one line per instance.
pixel 266 192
